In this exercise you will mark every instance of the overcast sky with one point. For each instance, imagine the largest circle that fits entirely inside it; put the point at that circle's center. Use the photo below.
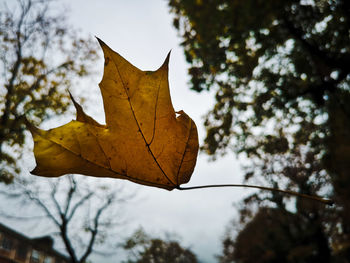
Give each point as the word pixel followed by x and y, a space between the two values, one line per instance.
pixel 142 32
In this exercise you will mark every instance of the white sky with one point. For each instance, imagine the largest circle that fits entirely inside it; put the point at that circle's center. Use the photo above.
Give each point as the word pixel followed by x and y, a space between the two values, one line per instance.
pixel 142 32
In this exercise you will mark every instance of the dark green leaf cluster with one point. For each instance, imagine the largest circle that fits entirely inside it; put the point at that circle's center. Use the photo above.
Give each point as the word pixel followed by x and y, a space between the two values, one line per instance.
pixel 269 62
pixel 281 73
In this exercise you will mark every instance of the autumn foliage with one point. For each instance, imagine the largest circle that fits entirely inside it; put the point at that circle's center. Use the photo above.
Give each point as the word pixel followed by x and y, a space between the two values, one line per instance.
pixel 143 139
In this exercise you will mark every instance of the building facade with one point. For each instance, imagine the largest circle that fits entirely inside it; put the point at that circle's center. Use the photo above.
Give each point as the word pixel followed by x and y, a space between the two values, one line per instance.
pixel 18 248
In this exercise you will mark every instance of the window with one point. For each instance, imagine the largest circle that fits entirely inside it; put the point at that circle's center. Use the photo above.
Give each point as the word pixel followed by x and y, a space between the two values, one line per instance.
pixel 35 258
pixel 48 260
pixel 6 243
pixel 21 252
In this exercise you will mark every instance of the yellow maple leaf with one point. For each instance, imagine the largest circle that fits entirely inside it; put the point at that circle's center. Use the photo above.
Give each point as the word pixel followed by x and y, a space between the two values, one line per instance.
pixel 142 141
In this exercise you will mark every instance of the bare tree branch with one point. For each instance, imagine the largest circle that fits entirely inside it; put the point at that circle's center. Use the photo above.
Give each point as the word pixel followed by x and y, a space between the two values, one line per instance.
pixel 80 233
pixel 78 204
pixel 94 230
pixel 40 203
pixel 20 217
pixel 53 198
pixel 66 240
pixel 71 191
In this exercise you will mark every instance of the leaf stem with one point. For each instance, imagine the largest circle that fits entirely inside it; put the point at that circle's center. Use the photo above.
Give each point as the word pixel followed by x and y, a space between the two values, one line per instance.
pixel 311 197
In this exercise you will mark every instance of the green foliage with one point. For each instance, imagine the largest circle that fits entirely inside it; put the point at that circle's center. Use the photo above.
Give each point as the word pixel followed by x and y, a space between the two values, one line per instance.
pixel 40 56
pixel 281 74
pixel 277 63
pixel 144 249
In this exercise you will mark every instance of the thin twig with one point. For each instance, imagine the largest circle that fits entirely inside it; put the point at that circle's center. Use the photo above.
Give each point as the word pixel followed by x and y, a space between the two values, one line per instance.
pixel 311 197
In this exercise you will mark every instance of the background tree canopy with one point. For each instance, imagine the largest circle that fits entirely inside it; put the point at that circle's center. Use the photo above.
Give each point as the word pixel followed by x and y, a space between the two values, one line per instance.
pixel 144 249
pixel 281 73
pixel 40 56
pixel 278 237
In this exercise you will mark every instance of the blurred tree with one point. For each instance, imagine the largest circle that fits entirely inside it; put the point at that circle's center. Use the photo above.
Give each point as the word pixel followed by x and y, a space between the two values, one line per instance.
pixel 281 72
pixel 276 235
pixel 144 249
pixel 39 58
pixel 82 214
pixel 307 232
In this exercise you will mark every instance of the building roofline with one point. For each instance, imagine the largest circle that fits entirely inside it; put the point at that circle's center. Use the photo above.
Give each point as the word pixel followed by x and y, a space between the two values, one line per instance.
pixel 34 242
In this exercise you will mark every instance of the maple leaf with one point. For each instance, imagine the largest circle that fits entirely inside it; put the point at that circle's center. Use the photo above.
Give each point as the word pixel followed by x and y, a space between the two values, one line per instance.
pixel 143 140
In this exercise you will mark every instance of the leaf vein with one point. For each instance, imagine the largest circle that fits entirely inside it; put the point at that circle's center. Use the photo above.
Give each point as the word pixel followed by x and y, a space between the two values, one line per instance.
pixel 139 127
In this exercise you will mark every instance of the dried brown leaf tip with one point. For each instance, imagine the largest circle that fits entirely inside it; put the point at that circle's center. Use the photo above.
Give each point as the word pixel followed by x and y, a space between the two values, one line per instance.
pixel 143 140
